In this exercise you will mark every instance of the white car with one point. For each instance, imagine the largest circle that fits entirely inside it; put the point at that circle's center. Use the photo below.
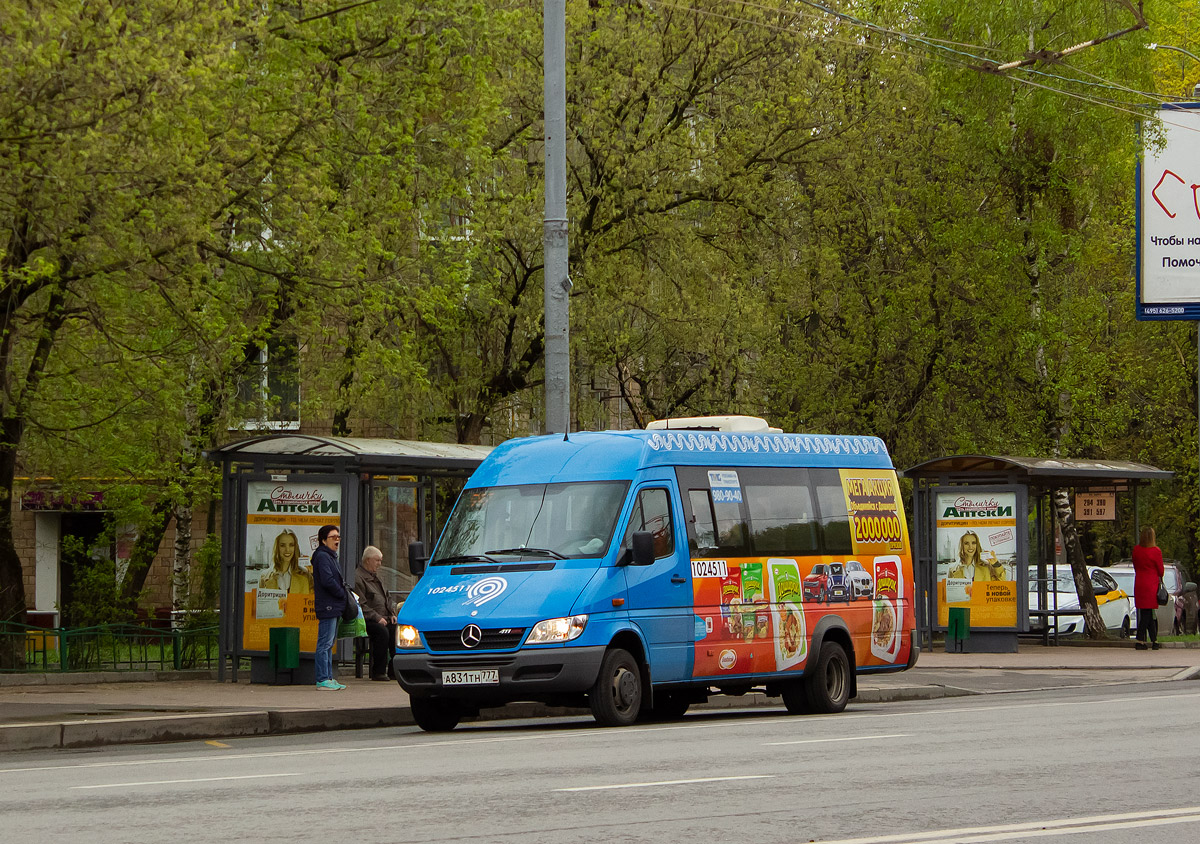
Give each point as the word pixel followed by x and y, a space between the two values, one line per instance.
pixel 862 585
pixel 1116 607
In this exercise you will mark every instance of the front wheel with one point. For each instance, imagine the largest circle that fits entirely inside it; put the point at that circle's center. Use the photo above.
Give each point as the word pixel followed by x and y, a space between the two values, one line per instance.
pixel 434 716
pixel 616 696
pixel 827 686
pixel 1125 628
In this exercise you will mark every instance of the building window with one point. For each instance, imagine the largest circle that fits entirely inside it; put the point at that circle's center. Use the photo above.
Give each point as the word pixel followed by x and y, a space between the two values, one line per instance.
pixel 269 388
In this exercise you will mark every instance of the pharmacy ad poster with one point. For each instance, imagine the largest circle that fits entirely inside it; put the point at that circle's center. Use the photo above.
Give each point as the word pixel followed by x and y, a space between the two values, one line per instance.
pixel 977 557
pixel 282 520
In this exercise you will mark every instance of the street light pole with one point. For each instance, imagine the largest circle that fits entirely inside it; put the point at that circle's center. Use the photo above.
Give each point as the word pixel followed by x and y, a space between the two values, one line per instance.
pixel 556 282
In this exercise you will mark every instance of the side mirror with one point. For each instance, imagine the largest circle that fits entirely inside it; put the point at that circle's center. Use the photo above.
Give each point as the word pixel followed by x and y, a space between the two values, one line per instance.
pixel 643 548
pixel 416 558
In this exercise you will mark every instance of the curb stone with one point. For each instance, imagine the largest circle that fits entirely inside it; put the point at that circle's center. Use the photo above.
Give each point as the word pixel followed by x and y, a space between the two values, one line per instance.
pixel 164 728
pixel 30 736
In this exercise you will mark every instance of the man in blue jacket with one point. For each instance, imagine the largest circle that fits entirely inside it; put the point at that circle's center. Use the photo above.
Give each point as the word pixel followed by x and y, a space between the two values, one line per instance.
pixel 329 600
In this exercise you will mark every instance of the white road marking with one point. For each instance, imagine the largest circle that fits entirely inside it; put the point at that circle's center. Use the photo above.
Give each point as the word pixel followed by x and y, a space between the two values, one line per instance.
pixel 176 782
pixel 665 782
pixel 1035 829
pixel 593 733
pixel 827 740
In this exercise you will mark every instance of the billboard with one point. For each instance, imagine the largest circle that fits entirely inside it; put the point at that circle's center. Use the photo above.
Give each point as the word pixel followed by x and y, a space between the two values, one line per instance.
pixel 282 520
pixel 976 534
pixel 1168 215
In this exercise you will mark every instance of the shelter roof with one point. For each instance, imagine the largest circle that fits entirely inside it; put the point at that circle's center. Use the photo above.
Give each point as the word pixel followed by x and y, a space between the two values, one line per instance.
pixel 368 453
pixel 1040 471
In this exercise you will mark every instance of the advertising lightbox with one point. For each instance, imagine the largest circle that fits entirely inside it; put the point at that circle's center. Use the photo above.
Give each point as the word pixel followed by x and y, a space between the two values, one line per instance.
pixel 1168 215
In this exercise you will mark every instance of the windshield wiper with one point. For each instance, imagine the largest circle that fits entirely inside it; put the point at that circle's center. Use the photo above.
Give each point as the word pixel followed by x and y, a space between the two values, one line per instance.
pixel 537 552
pixel 464 558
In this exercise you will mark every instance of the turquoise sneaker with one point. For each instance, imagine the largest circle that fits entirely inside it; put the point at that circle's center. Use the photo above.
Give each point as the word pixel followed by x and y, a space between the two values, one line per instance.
pixel 329 685
pixel 337 685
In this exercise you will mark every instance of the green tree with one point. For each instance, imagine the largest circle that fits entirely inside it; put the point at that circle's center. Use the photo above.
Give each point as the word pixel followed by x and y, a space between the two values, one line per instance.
pixel 108 186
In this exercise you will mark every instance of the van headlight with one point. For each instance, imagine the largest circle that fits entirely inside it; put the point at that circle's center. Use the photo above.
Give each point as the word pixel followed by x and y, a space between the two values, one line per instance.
pixel 407 636
pixel 556 630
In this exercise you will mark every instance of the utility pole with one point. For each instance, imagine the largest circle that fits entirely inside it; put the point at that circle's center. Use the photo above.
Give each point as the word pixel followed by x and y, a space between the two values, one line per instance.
pixel 556 282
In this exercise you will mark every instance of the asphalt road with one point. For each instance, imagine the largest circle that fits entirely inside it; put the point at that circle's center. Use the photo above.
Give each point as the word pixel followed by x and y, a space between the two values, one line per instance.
pixel 1111 764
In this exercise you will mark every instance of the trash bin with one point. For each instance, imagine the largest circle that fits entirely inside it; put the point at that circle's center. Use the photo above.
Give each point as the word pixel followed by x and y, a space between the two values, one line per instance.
pixel 284 654
pixel 958 629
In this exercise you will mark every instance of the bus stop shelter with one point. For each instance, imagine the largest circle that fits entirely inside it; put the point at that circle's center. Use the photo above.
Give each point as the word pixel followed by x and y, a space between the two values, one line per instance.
pixel 278 490
pixel 984 530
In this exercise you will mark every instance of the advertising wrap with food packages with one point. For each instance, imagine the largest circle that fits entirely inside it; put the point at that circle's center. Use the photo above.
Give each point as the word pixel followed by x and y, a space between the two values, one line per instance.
pixel 977 556
pixel 281 533
pixel 756 615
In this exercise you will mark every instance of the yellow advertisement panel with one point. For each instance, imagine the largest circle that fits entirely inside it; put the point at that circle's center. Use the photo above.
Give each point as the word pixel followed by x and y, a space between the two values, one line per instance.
pixel 879 534
pixel 282 521
pixel 877 522
pixel 977 556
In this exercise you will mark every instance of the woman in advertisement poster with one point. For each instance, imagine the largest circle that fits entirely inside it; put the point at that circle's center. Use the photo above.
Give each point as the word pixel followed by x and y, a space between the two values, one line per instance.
pixel 972 563
pixel 286 573
pixel 1148 572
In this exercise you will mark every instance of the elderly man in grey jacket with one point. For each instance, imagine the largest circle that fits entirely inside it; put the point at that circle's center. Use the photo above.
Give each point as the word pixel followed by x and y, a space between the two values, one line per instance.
pixel 379 611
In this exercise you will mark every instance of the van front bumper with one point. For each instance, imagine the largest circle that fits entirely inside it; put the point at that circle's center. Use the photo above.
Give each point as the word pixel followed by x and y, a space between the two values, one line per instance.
pixel 527 674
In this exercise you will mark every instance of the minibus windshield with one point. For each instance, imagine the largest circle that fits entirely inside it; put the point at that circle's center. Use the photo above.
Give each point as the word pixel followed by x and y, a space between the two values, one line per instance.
pixel 542 521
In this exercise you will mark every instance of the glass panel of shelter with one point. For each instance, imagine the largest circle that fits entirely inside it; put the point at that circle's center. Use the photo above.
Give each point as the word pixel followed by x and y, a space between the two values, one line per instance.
pixel 397 512
pixel 404 509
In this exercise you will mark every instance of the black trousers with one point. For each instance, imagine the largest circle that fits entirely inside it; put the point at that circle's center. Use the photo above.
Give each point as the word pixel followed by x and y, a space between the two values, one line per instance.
pixel 1147 624
pixel 380 638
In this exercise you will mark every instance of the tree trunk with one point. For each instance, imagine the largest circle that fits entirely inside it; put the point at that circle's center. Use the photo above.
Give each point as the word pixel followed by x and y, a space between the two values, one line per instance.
pixel 1065 517
pixel 145 548
pixel 182 565
pixel 12 580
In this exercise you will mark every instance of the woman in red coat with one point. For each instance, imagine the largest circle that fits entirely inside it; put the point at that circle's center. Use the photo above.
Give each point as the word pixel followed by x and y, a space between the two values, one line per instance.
pixel 1148 571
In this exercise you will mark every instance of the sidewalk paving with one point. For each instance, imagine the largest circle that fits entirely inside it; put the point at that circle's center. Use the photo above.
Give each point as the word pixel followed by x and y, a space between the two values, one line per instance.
pixel 50 711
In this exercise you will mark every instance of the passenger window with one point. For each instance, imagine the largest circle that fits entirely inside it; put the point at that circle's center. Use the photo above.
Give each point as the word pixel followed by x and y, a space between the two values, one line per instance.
pixel 703 533
pixel 731 528
pixel 782 518
pixel 835 520
pixel 652 512
pixel 715 522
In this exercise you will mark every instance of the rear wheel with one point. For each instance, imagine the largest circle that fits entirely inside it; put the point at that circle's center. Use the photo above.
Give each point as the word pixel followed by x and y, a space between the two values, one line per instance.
pixel 616 696
pixel 435 716
pixel 827 686
pixel 1125 628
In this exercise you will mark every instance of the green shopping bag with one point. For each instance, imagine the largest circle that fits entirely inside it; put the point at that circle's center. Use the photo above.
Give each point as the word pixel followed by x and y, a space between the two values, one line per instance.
pixel 353 629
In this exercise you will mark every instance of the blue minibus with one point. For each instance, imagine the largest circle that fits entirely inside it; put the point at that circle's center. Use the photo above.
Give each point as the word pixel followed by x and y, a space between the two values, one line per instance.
pixel 639 572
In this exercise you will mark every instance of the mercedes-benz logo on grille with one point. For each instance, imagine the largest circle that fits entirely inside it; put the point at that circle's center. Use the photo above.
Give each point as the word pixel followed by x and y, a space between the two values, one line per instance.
pixel 471 636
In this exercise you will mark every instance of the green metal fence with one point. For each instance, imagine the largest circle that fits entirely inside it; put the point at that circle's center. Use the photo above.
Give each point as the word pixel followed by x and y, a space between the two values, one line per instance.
pixel 110 647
